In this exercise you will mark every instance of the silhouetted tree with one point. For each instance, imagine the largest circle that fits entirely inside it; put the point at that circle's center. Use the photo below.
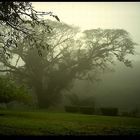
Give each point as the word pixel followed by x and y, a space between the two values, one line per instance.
pixel 17 15
pixel 68 58
pixel 14 14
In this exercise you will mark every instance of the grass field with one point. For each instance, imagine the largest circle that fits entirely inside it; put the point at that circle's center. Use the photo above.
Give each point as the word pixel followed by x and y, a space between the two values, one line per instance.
pixel 53 123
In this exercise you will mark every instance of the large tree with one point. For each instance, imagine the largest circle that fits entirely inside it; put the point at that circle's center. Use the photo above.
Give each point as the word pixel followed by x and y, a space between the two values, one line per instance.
pixel 67 59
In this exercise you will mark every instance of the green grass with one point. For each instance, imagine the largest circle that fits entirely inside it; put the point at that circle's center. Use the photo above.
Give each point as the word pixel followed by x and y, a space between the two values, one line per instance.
pixel 53 123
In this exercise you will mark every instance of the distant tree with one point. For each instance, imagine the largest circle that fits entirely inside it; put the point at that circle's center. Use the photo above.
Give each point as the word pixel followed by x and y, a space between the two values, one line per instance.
pixel 68 58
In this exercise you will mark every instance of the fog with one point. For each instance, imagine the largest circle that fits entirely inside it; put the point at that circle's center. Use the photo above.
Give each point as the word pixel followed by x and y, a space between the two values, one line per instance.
pixel 69 68
pixel 92 15
pixel 121 87
pixel 118 88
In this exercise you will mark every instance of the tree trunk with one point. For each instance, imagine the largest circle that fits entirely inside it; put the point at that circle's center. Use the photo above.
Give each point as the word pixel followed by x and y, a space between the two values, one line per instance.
pixel 42 101
pixel 42 98
pixel 47 96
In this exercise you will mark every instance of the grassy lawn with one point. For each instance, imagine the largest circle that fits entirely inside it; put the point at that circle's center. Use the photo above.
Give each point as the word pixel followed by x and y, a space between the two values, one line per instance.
pixel 53 123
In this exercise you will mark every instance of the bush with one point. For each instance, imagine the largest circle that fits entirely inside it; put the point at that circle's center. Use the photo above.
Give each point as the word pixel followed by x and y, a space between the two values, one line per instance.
pixel 72 109
pixel 9 92
pixel 97 111
pixel 109 111
pixel 80 109
pixel 86 110
pixel 125 114
pixel 134 113
pixel 3 106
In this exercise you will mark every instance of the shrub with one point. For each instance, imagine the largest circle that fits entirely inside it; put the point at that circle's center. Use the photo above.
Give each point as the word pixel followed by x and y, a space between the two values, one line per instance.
pixel 72 109
pixel 85 105
pixel 86 110
pixel 125 114
pixel 9 92
pixel 134 113
pixel 109 111
pixel 80 109
pixel 97 111
pixel 3 106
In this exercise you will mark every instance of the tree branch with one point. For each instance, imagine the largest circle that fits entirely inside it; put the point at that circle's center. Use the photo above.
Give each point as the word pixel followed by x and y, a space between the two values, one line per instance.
pixel 6 70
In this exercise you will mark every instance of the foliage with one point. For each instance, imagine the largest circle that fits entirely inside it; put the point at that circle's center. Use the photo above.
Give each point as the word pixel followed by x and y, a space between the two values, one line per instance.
pixel 125 113
pixel 133 113
pixel 17 15
pixel 109 111
pixel 86 110
pixel 10 92
pixel 72 109
pixel 110 42
pixel 80 109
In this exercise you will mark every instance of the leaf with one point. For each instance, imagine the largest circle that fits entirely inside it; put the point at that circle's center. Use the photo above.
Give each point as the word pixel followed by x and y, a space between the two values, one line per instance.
pixel 57 18
pixel 43 47
pixel 47 46
pixel 8 55
pixel 39 53
pixel 4 49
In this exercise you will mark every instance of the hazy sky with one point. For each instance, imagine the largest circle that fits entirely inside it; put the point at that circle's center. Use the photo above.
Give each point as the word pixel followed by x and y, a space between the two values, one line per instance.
pixel 90 15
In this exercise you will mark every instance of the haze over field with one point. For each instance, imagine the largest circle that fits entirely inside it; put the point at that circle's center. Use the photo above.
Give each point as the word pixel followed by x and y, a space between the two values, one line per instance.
pixel 69 68
pixel 120 88
pixel 92 15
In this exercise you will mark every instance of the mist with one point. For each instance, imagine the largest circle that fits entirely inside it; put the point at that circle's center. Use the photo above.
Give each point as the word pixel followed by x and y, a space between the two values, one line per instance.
pixel 115 85
pixel 73 65
pixel 119 88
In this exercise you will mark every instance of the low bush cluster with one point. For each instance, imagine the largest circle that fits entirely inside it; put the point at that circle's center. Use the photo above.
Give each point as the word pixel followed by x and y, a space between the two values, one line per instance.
pixel 80 109
pixel 132 113
pixel 91 110
pixel 71 109
pixel 86 110
pixel 109 111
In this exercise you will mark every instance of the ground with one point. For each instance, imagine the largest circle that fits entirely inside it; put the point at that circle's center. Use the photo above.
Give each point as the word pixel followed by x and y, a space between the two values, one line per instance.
pixel 54 123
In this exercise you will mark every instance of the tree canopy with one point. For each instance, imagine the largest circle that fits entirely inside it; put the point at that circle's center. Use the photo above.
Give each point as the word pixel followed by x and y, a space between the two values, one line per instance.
pixel 15 14
pixel 19 16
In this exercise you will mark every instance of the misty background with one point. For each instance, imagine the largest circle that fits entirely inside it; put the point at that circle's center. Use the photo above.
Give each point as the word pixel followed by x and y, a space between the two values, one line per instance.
pixel 69 68
pixel 120 88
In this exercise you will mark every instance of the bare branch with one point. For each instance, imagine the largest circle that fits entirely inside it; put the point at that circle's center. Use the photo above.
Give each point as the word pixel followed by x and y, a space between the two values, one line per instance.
pixel 17 61
pixel 6 70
